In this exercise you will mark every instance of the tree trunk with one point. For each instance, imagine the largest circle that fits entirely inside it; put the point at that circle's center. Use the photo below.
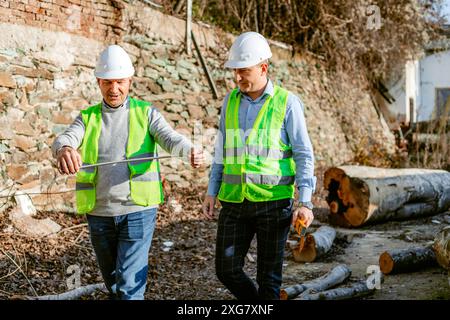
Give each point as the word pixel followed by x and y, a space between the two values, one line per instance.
pixel 357 290
pixel 338 275
pixel 406 260
pixel 358 194
pixel 441 247
pixel 73 294
pixel 316 245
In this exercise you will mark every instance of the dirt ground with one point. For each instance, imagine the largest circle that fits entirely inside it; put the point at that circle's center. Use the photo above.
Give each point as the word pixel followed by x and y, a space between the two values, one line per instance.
pixel 356 248
pixel 181 262
pixel 360 248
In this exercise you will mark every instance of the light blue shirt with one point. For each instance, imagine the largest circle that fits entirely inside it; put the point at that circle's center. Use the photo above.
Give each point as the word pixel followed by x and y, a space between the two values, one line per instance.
pixel 294 133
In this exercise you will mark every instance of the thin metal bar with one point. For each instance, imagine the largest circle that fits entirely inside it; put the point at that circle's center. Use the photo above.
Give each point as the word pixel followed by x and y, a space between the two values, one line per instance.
pixel 188 26
pixel 205 68
pixel 121 161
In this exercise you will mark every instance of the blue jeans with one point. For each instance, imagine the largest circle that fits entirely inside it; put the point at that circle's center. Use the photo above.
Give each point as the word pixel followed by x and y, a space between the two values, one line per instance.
pixel 121 245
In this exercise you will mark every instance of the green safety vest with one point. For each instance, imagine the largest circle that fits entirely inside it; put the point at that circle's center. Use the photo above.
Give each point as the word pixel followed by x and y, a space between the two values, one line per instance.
pixel 145 179
pixel 262 168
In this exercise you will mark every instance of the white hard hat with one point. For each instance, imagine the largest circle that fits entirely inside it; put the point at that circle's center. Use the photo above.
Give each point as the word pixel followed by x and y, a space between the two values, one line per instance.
pixel 249 49
pixel 114 63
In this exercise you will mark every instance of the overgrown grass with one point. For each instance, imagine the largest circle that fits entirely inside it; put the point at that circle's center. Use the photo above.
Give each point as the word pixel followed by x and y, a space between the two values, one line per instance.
pixel 429 145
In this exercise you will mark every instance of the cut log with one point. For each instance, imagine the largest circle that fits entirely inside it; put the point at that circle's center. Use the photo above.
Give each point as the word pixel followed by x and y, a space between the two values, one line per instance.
pixel 316 245
pixel 359 194
pixel 406 260
pixel 73 294
pixel 441 247
pixel 336 276
pixel 357 290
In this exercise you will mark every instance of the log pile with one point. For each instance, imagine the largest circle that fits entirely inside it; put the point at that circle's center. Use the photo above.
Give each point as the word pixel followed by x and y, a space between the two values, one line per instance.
pixel 358 194
pixel 362 195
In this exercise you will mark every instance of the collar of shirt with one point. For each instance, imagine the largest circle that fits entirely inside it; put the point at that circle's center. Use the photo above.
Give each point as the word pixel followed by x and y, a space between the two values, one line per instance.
pixel 267 91
pixel 109 108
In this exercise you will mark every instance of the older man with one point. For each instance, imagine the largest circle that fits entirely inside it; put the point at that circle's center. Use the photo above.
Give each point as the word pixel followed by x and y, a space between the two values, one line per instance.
pixel 120 200
pixel 262 149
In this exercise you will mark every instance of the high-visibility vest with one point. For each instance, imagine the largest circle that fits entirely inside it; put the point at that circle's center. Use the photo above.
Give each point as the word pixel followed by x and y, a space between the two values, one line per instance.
pixel 262 168
pixel 145 179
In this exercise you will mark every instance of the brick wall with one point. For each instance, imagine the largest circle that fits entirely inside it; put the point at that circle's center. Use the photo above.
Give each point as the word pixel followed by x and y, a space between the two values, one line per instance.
pixel 96 19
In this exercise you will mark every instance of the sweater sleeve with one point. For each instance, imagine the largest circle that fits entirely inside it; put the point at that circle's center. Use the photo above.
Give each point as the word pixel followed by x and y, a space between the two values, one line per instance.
pixel 170 140
pixel 72 136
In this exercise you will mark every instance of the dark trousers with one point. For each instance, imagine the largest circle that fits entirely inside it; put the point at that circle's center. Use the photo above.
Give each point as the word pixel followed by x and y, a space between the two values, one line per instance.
pixel 238 223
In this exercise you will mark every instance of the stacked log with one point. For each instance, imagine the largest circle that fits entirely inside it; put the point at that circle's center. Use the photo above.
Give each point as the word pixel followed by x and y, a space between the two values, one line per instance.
pixel 360 194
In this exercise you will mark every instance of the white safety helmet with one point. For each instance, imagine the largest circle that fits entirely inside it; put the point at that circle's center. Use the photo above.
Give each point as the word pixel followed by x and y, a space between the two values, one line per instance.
pixel 249 49
pixel 114 63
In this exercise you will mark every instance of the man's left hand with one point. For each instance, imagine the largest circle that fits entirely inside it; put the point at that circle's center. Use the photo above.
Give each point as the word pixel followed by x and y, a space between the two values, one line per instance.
pixel 197 157
pixel 303 213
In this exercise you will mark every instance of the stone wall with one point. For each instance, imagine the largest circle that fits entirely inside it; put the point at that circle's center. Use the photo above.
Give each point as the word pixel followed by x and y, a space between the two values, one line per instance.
pixel 46 77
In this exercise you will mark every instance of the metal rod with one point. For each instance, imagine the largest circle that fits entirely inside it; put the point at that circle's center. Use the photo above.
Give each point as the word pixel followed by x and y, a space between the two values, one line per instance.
pixel 121 161
pixel 205 68
pixel 188 26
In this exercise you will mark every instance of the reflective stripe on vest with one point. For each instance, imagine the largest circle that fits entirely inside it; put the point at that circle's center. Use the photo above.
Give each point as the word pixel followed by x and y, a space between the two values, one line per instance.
pixel 145 179
pixel 258 179
pixel 262 167
pixel 259 151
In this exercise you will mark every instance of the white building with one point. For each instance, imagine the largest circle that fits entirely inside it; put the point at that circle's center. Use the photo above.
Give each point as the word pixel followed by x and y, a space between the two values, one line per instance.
pixel 434 86
pixel 421 92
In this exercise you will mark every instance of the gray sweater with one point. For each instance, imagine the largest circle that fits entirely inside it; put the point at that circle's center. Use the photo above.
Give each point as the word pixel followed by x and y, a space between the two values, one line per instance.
pixel 113 187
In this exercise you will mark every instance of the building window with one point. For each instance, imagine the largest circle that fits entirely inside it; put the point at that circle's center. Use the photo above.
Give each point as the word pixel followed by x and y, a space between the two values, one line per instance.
pixel 442 107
